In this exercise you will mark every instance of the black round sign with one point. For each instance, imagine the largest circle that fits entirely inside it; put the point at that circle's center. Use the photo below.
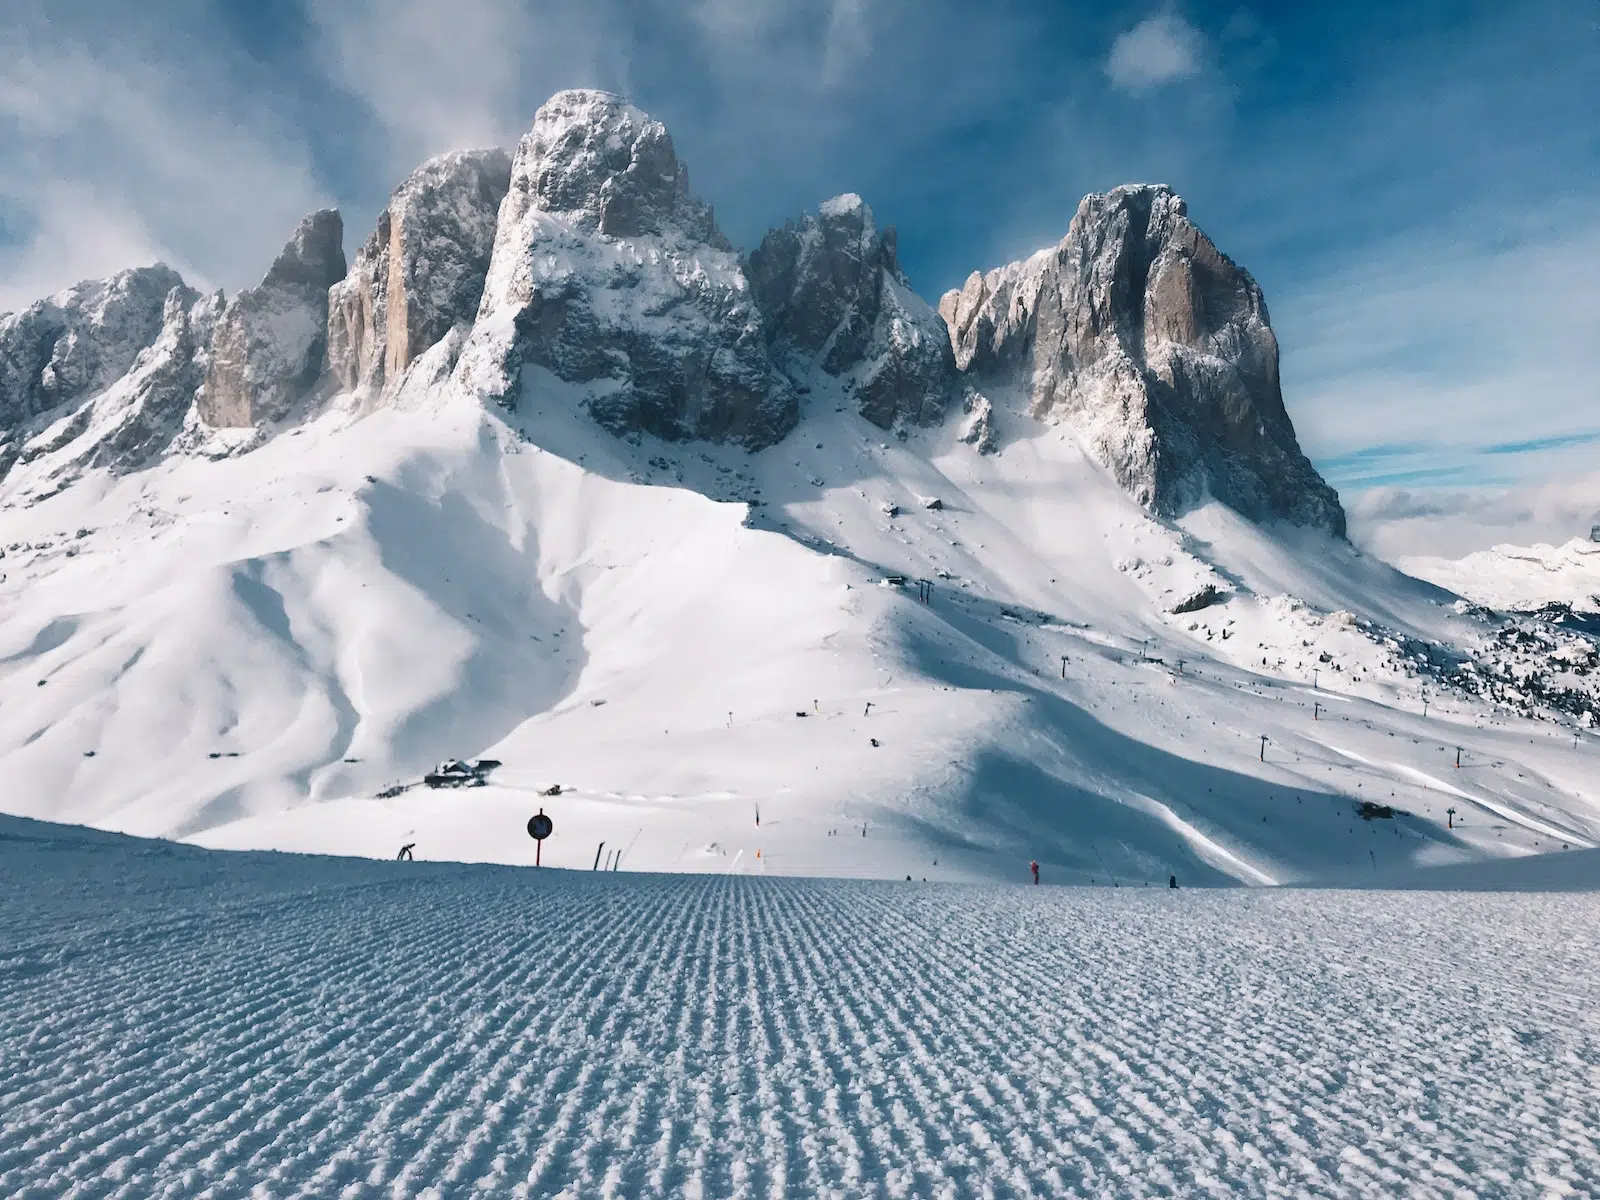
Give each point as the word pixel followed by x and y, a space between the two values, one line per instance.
pixel 539 827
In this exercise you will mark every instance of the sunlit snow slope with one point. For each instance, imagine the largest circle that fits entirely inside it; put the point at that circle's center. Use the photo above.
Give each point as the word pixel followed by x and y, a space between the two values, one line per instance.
pixel 245 652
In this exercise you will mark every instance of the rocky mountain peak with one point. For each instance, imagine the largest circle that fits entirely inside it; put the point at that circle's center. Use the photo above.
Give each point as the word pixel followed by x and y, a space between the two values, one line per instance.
pixel 832 293
pixel 1157 347
pixel 611 278
pixel 313 257
pixel 608 167
pixel 269 343
pixel 421 272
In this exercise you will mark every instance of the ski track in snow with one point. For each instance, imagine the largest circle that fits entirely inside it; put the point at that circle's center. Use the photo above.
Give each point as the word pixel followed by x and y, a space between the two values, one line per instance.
pixel 175 1022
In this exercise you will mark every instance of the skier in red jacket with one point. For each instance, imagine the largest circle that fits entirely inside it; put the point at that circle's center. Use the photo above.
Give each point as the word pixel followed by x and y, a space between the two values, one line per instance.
pixel 1034 866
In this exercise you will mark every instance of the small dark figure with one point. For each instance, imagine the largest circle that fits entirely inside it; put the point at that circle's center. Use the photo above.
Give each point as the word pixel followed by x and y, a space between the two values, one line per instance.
pixel 1172 881
pixel 405 853
pixel 874 741
pixel 1034 867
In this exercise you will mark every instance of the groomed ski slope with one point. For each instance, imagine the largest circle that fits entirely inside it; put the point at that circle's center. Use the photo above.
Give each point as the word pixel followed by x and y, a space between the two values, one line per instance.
pixel 244 653
pixel 177 1022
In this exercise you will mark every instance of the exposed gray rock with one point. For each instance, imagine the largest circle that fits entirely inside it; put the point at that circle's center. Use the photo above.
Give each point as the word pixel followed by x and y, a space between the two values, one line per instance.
pixel 832 294
pixel 421 272
pixel 979 430
pixel 74 344
pixel 608 168
pixel 269 344
pixel 1157 347
pixel 1202 597
pixel 134 420
pixel 610 282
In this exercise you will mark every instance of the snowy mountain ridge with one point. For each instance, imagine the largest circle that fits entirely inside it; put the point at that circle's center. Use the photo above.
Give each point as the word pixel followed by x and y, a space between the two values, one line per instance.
pixel 565 482
pixel 1520 578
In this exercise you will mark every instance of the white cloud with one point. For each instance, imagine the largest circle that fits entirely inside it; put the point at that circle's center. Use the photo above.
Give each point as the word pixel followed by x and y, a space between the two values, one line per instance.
pixel 847 43
pixel 1395 522
pixel 445 74
pixel 1160 49
pixel 1441 356
pixel 814 43
pixel 116 160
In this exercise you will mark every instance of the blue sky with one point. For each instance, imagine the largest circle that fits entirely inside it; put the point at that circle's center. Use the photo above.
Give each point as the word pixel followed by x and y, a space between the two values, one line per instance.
pixel 1416 186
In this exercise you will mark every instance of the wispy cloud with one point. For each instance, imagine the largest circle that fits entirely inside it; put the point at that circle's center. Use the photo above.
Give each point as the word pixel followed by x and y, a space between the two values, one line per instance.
pixel 438 75
pixel 113 160
pixel 1395 522
pixel 1159 49
pixel 1456 353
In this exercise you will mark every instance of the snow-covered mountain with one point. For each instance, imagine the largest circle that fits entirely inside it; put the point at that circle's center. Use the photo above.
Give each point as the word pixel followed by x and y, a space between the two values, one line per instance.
pixel 1521 578
pixel 755 557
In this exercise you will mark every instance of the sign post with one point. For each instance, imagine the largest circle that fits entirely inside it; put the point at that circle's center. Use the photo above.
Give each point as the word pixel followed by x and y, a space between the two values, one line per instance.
pixel 539 828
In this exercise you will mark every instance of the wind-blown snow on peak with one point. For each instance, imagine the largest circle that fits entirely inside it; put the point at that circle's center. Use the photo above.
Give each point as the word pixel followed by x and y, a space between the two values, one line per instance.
pixel 833 294
pixel 269 344
pixel 610 284
pixel 1156 347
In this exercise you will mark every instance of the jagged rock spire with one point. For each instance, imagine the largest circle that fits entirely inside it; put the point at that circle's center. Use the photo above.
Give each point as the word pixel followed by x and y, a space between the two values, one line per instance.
pixel 268 348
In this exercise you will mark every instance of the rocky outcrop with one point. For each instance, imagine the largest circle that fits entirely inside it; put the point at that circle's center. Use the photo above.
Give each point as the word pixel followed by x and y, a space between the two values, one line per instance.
pixel 421 272
pixel 127 424
pixel 141 413
pixel 832 295
pixel 76 343
pixel 267 351
pixel 611 283
pixel 1157 348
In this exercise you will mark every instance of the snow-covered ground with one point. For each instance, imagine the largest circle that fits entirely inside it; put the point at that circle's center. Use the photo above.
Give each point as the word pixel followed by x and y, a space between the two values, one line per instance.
pixel 246 652
pixel 176 1022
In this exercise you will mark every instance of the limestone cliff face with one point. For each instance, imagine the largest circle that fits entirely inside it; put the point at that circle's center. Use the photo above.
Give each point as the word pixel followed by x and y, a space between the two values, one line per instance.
pixel 610 280
pixel 1156 346
pixel 421 272
pixel 833 295
pixel 269 344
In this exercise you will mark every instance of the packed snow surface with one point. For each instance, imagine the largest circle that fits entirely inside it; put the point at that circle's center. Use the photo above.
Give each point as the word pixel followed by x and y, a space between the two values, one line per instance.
pixel 176 1022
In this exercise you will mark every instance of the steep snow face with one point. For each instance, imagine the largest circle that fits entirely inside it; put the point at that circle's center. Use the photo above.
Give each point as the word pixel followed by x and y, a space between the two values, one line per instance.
pixel 421 272
pixel 834 296
pixel 257 651
pixel 1156 348
pixel 1520 578
pixel 270 341
pixel 609 275
pixel 64 350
